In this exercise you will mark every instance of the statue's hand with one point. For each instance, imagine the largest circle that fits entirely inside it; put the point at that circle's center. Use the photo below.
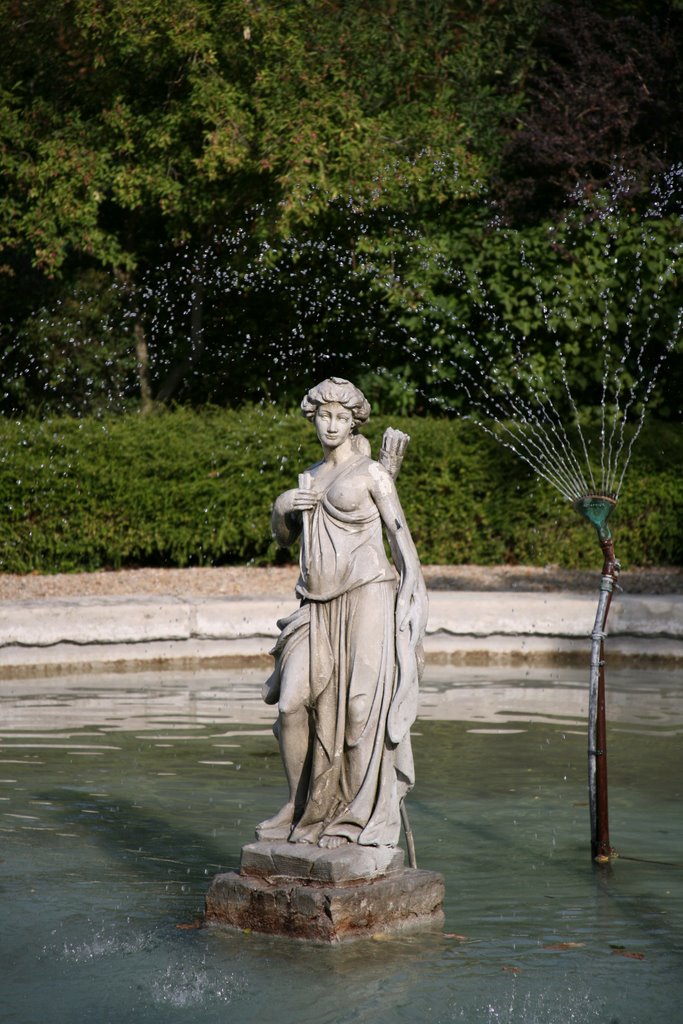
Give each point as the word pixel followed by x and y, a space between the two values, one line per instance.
pixel 394 444
pixel 411 610
pixel 287 517
pixel 298 499
pixel 303 499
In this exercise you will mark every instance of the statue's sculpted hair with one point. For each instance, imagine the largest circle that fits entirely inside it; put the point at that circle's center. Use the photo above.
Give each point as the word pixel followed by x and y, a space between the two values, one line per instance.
pixel 336 389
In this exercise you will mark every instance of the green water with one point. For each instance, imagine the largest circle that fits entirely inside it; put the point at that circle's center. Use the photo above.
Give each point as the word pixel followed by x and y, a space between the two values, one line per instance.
pixel 121 796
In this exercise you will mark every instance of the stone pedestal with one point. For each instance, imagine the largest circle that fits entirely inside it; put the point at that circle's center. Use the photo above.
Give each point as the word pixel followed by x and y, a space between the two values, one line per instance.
pixel 303 892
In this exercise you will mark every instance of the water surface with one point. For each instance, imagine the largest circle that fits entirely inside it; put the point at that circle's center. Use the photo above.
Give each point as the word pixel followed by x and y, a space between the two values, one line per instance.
pixel 121 796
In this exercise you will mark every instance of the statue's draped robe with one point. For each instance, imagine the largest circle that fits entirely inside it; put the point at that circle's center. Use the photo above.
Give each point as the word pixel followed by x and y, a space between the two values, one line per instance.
pixel 363 683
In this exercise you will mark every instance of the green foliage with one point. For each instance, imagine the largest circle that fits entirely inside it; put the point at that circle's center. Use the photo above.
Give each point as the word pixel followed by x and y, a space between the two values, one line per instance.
pixel 135 116
pixel 485 306
pixel 184 488
pixel 172 489
pixel 225 187
pixel 74 355
pixel 136 133
pixel 489 68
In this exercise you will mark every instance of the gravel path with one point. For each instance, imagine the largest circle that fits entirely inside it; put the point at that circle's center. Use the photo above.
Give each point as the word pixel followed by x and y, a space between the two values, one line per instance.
pixel 279 581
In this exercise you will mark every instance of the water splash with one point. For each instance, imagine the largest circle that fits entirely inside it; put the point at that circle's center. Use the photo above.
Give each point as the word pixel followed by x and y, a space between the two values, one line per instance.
pixel 569 1004
pixel 184 986
pixel 108 942
pixel 507 394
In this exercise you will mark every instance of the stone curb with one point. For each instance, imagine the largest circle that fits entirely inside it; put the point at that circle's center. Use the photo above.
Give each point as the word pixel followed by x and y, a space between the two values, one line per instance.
pixel 57 635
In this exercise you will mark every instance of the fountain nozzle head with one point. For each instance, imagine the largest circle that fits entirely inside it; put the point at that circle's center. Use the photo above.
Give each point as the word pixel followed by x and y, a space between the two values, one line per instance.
pixel 597 508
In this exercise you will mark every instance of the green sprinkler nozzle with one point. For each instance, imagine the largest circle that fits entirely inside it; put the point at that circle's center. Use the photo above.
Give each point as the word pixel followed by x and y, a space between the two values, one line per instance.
pixel 597 508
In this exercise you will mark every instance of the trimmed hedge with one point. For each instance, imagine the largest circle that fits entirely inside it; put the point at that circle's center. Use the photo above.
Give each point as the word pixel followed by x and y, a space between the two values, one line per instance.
pixel 195 488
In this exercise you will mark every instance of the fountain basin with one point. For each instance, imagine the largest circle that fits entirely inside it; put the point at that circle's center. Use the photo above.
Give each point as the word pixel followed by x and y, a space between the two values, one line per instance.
pixel 123 795
pixel 56 636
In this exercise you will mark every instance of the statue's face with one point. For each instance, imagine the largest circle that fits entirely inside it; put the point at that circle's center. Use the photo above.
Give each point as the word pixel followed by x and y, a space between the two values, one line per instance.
pixel 333 424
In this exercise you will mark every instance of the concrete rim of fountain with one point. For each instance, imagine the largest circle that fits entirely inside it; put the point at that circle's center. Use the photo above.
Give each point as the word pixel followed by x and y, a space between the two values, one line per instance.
pixel 219 617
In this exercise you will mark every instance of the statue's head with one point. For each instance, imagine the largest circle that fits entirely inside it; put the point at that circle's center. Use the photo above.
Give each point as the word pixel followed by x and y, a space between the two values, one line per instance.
pixel 336 389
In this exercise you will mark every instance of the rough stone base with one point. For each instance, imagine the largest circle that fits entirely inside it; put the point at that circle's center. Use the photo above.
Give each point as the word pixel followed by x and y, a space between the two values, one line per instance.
pixel 324 896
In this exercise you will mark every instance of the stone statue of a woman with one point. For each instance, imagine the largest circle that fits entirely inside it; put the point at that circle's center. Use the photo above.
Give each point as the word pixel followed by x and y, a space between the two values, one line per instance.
pixel 347 662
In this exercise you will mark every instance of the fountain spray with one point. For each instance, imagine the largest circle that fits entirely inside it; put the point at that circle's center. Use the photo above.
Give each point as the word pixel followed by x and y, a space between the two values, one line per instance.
pixel 501 387
pixel 597 508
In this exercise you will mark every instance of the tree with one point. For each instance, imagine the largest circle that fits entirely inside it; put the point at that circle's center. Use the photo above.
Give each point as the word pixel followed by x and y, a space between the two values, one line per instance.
pixel 603 89
pixel 135 129
pixel 234 193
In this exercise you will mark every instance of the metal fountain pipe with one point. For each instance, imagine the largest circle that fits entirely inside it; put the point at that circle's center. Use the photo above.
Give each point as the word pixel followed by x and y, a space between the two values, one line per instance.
pixel 597 509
